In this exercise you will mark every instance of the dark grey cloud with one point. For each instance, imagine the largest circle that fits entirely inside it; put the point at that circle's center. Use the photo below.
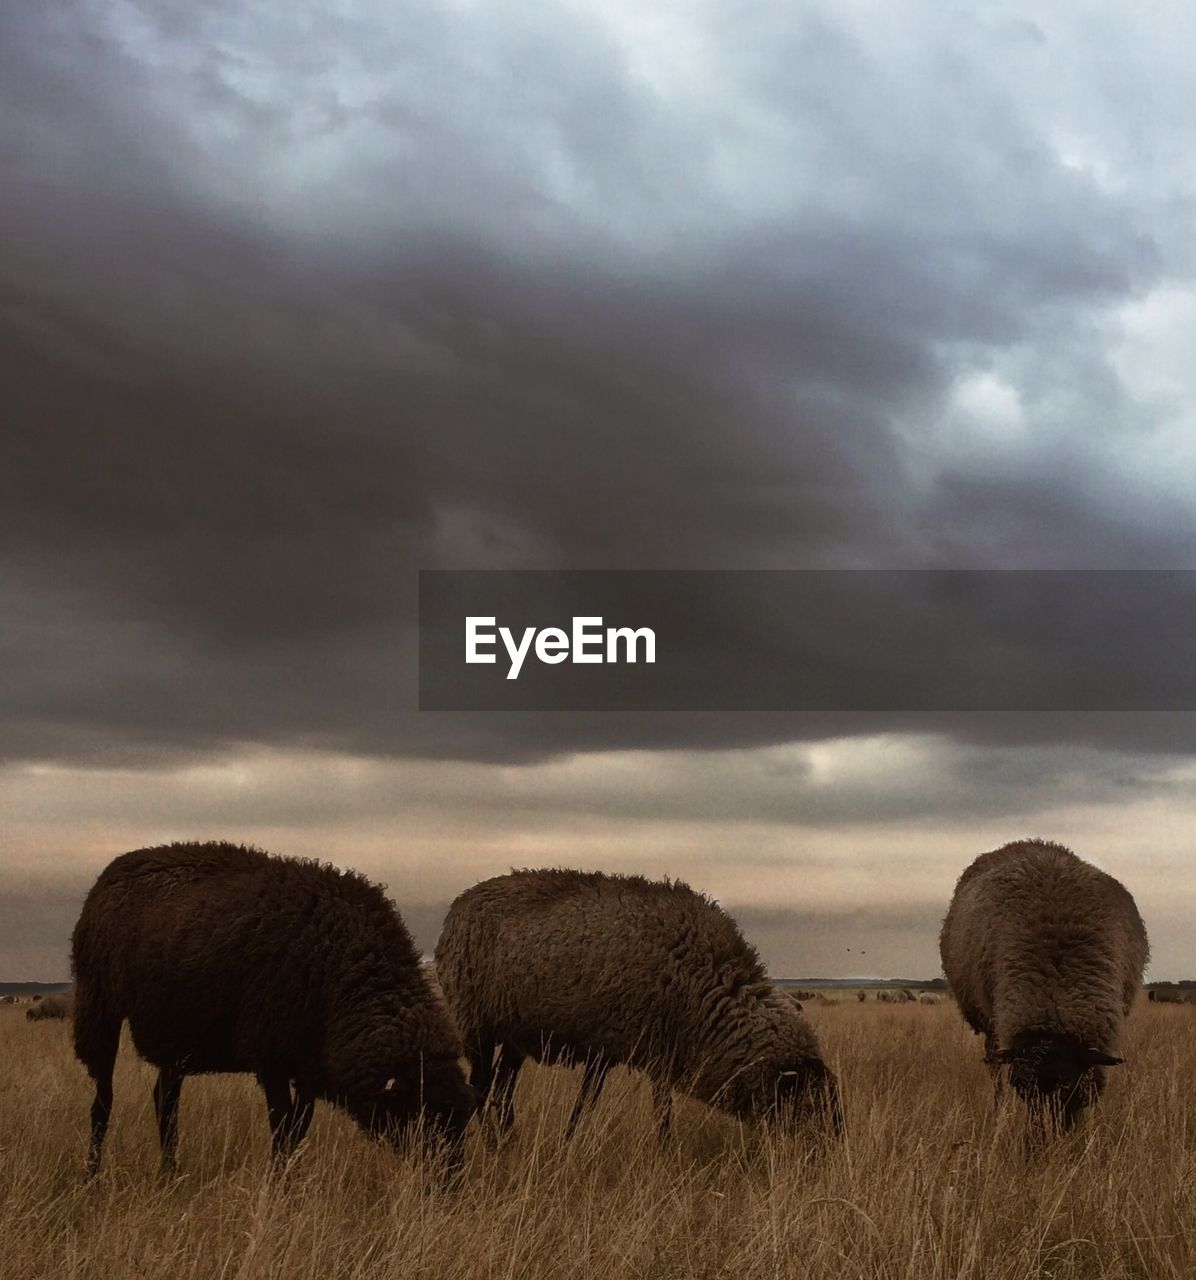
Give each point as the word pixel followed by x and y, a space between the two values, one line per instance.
pixel 291 308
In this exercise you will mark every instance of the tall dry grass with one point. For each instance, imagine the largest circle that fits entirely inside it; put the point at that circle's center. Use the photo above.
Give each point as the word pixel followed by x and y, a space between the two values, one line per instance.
pixel 933 1180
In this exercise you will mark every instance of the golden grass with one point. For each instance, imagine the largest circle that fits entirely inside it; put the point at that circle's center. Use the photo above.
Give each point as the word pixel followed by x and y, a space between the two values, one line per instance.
pixel 933 1180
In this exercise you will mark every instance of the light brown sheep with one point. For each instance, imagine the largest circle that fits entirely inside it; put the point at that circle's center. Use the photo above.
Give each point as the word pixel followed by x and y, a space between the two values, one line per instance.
pixel 59 1005
pixel 1044 954
pixel 561 965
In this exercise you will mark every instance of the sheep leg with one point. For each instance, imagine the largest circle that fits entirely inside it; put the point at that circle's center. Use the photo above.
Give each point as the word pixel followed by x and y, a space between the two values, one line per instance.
pixel 990 1059
pixel 592 1080
pixel 481 1067
pixel 301 1114
pixel 97 1050
pixel 503 1090
pixel 167 1089
pixel 288 1118
pixel 481 1076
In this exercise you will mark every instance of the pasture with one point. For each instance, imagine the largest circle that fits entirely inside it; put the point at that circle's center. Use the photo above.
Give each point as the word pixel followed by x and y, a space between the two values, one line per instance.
pixel 933 1180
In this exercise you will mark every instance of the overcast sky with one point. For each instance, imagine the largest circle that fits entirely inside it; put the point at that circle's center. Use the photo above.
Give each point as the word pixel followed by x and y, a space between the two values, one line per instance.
pixel 295 301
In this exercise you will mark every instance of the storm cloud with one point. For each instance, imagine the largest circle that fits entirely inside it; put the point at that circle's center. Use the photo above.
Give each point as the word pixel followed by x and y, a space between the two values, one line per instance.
pixel 294 303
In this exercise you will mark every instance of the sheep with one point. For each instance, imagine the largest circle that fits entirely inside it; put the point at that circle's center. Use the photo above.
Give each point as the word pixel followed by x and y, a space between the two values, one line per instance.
pixel 226 959
pixel 927 998
pixel 1044 955
pixel 861 996
pixel 569 966
pixel 58 1005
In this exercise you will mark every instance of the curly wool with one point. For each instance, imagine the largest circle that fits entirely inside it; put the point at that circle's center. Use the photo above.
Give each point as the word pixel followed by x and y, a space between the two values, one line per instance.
pixel 225 959
pixel 58 1005
pixel 1041 947
pixel 568 965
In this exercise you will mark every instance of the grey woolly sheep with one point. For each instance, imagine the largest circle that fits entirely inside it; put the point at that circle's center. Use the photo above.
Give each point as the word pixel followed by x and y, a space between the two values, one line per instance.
pixel 571 966
pixel 927 998
pixel 1044 955
pixel 223 958
pixel 57 1005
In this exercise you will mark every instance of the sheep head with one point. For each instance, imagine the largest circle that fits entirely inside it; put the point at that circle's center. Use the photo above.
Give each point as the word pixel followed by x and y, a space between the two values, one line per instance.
pixel 1055 1074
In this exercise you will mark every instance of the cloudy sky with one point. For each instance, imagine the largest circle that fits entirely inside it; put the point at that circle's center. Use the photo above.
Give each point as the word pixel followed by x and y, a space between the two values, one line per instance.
pixel 296 301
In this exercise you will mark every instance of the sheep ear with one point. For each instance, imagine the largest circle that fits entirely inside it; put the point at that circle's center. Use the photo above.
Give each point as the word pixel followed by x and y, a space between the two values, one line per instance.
pixel 1097 1058
pixel 390 1084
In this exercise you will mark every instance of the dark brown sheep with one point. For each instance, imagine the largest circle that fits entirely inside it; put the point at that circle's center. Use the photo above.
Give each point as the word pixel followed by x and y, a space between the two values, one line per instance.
pixel 1044 955
pixel 57 1005
pixel 560 965
pixel 223 958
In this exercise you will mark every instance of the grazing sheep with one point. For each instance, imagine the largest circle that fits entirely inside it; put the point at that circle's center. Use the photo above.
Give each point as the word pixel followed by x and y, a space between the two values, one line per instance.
pixel 1044 954
pixel 927 998
pixel 572 966
pixel 58 1005
pixel 861 996
pixel 223 958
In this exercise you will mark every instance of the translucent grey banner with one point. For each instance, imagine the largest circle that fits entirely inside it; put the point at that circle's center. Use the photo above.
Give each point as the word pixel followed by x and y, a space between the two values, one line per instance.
pixel 808 640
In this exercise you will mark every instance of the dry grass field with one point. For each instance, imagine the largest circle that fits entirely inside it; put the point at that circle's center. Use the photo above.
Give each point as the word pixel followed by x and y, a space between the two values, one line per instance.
pixel 932 1181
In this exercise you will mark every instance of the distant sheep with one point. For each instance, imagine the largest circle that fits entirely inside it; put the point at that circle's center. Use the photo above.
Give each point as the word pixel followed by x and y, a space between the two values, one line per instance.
pixel 571 966
pixel 1044 954
pixel 58 1005
pixel 927 998
pixel 223 958
pixel 861 996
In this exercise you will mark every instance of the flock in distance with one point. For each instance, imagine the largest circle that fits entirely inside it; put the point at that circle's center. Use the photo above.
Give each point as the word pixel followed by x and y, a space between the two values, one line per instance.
pixel 223 958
